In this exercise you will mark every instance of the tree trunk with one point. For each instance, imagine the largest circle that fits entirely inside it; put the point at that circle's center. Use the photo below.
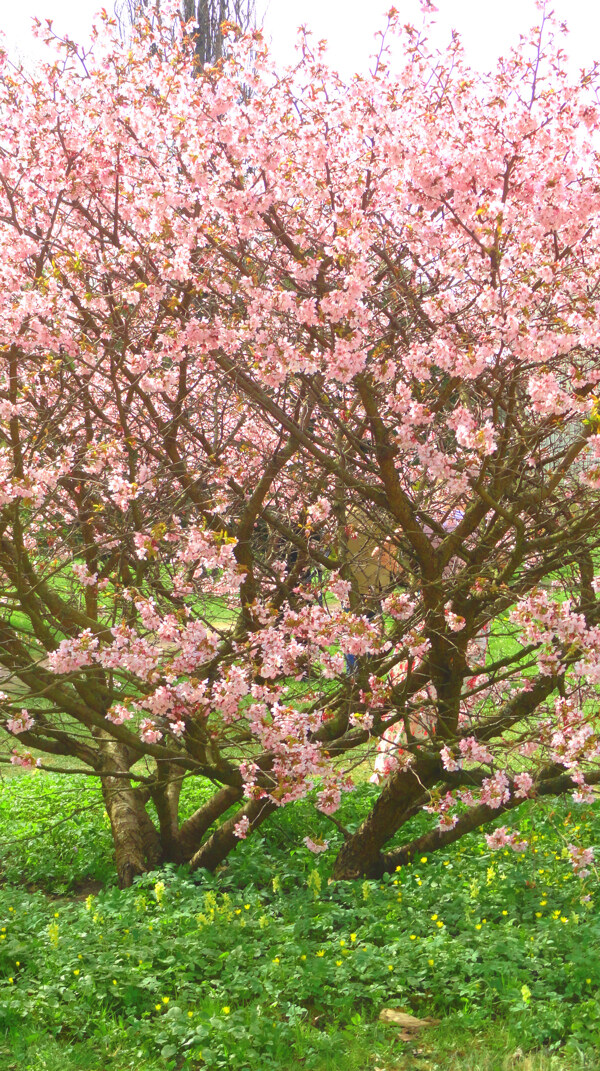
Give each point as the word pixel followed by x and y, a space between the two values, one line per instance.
pixel 361 855
pixel 136 841
pixel 189 837
pixel 165 796
pixel 224 840
pixel 553 782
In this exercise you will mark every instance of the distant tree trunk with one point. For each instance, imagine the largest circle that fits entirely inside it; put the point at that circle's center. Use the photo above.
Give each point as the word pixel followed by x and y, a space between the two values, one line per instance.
pixel 208 16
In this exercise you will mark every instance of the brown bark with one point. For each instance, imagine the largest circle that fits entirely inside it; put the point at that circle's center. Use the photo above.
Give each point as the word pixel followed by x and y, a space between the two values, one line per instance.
pixel 223 840
pixel 131 837
pixel 361 855
pixel 553 783
pixel 165 796
pixel 189 837
pixel 136 841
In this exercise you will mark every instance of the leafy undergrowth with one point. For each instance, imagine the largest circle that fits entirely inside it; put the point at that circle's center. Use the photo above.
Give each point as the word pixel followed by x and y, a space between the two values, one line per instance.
pixel 269 964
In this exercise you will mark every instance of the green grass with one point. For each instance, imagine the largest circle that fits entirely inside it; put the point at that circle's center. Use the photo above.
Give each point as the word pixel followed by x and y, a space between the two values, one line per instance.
pixel 269 964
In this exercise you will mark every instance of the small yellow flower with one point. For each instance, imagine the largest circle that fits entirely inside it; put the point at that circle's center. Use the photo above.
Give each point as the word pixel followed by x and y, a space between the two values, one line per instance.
pixel 433 918
pixel 320 952
pixel 413 936
pixel 190 1015
pixel 76 972
pixel 353 937
pixel 478 926
pixel 543 902
pixel 430 962
pixel 588 981
pixel 563 919
pixel 505 912
pixel 165 1000
pixel 338 963
pixel 276 960
pixel 17 963
pixel 538 914
pixel 440 923
pixel 423 858
pixel 10 981
pixel 390 967
pixel 115 982
pixel 246 907
pixel 157 1007
pixel 226 1010
pixel 302 956
pixel 446 862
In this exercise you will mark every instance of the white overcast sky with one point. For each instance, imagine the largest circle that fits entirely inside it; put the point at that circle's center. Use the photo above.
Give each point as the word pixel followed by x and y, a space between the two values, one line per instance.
pixel 487 29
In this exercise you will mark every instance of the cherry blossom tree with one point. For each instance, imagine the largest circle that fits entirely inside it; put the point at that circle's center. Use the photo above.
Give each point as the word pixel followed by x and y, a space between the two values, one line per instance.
pixel 300 444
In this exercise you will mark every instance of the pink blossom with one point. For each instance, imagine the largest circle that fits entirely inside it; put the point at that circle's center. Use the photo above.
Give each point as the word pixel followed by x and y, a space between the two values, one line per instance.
pixel 581 859
pixel 148 732
pixel 524 784
pixel 498 839
pixel 242 827
pixel 316 846
pixel 448 761
pixel 119 714
pixel 472 751
pixel 454 621
pixel 25 759
pixel 86 578
pixel 495 790
pixel 20 723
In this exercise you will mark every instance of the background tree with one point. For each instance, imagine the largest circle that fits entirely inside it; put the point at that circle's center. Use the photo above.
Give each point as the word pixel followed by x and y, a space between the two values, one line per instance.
pixel 297 402
pixel 207 16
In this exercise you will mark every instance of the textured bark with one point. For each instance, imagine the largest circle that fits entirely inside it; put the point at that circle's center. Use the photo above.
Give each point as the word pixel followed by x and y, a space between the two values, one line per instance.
pixel 223 840
pixel 131 837
pixel 165 796
pixel 136 841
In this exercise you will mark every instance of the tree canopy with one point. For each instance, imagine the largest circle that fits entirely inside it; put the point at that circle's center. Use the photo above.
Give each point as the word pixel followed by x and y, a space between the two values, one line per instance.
pixel 297 411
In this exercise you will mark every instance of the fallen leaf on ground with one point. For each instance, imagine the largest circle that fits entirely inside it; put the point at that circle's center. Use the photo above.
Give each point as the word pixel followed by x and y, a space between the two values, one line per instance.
pixel 409 1023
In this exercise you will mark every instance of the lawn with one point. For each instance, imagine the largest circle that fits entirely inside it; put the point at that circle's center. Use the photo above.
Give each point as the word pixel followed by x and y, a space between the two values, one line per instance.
pixel 269 964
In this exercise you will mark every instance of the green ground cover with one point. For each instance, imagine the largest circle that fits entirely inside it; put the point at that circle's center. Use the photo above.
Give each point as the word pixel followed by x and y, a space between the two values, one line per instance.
pixel 268 964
